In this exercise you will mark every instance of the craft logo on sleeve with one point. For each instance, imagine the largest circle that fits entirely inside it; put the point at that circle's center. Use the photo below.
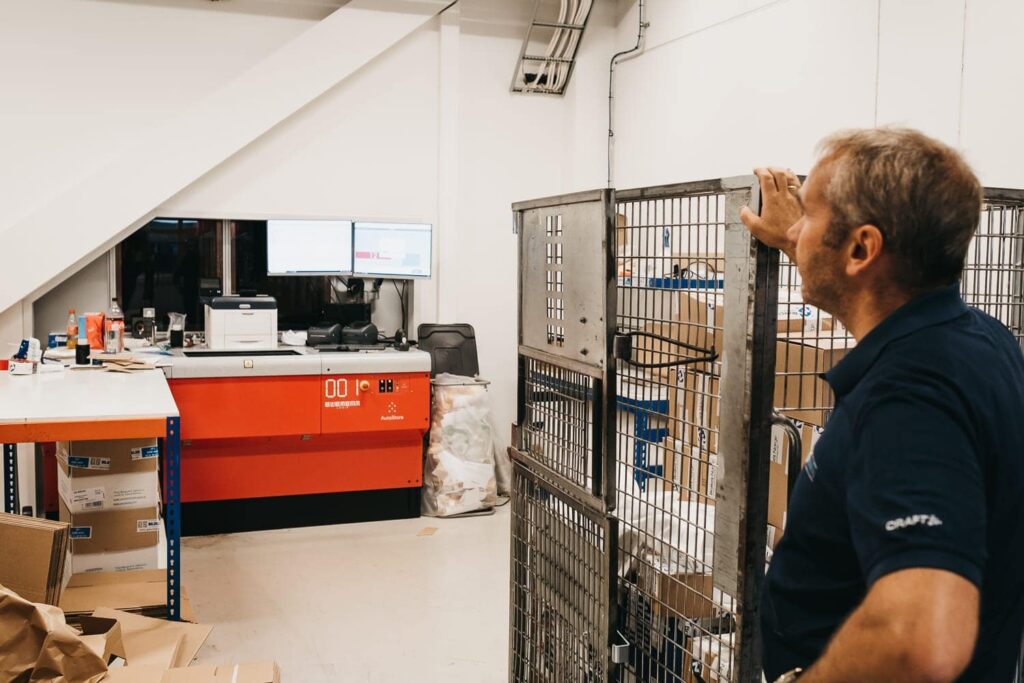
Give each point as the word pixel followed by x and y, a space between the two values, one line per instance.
pixel 912 520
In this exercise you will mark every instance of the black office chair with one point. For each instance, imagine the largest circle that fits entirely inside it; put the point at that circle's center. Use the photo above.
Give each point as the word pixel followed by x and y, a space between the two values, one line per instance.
pixel 452 348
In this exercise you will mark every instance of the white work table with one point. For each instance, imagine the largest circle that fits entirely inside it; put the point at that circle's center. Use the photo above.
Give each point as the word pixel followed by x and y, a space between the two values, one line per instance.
pixel 82 396
pixel 95 404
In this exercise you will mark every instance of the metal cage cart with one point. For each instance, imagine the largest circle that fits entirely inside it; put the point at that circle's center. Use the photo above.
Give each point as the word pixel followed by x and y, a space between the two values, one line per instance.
pixel 644 515
pixel 618 571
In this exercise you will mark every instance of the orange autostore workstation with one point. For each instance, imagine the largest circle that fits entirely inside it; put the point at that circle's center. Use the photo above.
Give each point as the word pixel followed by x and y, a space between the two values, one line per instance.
pixel 293 436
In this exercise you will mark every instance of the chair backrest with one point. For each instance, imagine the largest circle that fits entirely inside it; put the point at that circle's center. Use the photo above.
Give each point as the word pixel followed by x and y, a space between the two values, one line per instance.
pixel 452 348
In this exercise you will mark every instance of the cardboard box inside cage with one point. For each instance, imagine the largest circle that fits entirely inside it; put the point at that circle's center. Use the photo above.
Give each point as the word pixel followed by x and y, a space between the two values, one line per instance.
pixel 678 594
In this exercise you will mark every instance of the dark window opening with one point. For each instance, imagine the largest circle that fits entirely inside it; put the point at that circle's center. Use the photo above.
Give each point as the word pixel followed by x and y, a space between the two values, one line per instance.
pixel 170 264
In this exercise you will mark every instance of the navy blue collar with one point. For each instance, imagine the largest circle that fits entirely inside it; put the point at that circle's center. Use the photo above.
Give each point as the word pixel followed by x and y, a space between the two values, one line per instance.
pixel 929 309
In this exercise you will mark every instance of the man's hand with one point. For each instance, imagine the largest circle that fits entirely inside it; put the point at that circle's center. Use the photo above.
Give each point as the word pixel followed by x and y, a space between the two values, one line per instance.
pixel 780 209
pixel 914 626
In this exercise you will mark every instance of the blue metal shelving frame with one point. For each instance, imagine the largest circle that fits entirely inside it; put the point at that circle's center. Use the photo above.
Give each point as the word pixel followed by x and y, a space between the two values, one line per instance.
pixel 172 506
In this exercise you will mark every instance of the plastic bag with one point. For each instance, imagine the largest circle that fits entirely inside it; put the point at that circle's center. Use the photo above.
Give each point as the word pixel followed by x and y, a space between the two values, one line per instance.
pixel 458 472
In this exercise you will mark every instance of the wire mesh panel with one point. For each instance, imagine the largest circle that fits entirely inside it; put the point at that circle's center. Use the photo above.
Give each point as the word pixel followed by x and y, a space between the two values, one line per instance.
pixel 993 277
pixel 558 426
pixel 562 537
pixel 561 607
pixel 671 253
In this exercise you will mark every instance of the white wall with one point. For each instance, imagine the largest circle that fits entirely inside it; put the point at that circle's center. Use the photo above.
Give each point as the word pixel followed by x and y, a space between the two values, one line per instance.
pixel 80 80
pixel 86 290
pixel 727 85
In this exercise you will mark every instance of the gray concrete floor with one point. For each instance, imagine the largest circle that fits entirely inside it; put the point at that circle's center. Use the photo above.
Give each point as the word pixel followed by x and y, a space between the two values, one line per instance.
pixel 381 602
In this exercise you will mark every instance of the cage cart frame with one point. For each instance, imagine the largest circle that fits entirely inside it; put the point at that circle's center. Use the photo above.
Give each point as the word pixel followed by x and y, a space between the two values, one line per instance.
pixel 642 480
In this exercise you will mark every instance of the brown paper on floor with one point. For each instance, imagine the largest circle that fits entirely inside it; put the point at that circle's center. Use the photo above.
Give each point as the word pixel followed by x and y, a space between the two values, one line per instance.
pixel 149 642
pixel 36 642
pixel 71 658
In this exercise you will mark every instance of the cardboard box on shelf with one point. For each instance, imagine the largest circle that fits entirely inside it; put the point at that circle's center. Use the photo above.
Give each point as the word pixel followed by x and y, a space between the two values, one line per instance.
pixel 112 530
pixel 778 470
pixel 32 557
pixel 118 456
pixel 685 594
pixel 87 491
pixel 696 318
pixel 799 360
pixel 142 592
pixel 116 561
pixel 697 475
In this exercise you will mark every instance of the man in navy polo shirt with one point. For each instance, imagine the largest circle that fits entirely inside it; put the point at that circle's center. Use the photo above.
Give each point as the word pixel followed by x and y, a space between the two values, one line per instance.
pixel 903 557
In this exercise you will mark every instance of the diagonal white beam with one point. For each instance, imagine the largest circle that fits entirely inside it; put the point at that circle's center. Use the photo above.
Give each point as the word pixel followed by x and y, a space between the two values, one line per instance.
pixel 101 209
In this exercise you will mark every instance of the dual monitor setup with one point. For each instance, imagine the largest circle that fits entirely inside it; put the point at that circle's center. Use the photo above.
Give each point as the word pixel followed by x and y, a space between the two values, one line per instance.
pixel 349 248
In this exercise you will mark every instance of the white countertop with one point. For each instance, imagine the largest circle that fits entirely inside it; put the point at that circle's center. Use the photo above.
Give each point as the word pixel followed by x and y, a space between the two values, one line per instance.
pixel 307 361
pixel 83 395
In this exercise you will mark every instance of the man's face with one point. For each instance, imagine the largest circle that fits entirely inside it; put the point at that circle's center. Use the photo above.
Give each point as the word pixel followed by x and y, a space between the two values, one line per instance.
pixel 820 265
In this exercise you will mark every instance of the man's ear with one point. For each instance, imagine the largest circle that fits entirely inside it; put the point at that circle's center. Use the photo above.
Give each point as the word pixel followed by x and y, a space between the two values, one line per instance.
pixel 864 248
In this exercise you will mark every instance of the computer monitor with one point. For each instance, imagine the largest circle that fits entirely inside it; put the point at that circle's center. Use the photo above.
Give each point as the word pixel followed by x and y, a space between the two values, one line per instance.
pixel 394 250
pixel 309 247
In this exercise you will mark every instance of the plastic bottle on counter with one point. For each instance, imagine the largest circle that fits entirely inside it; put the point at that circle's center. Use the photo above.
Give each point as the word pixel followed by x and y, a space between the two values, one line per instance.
pixel 72 328
pixel 82 348
pixel 114 337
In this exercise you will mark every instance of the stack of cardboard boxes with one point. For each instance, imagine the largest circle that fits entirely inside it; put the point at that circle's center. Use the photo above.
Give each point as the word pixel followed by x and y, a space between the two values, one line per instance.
pixel 809 343
pixel 32 557
pixel 110 495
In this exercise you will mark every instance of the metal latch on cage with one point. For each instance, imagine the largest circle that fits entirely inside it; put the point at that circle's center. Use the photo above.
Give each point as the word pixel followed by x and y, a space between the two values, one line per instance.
pixel 623 349
pixel 620 651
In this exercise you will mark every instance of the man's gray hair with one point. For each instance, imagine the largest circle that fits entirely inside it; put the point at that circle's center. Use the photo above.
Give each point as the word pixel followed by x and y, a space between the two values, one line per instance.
pixel 919 192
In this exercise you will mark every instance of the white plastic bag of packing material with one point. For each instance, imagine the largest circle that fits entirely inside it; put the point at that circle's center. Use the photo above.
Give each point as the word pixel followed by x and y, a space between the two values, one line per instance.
pixel 458 472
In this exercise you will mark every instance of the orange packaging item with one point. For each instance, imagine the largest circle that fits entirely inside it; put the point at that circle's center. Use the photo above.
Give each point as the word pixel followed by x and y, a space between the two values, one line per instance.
pixel 94 326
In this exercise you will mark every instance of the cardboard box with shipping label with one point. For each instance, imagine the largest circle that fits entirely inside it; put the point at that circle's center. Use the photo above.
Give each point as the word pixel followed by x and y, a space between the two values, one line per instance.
pixel 112 530
pixel 778 469
pixel 116 561
pixel 698 476
pixel 106 491
pixel 119 456
pixel 799 363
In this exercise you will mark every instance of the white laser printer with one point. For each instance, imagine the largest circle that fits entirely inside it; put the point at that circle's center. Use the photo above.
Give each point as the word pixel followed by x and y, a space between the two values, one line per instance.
pixel 241 322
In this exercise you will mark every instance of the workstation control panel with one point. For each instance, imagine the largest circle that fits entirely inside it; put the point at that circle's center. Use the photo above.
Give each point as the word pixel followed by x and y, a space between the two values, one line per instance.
pixel 353 403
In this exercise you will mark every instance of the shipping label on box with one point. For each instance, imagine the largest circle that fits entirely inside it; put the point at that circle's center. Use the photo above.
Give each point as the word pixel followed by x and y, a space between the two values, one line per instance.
pixel 84 463
pixel 117 456
pixel 145 452
pixel 146 526
pixel 108 491
pixel 112 530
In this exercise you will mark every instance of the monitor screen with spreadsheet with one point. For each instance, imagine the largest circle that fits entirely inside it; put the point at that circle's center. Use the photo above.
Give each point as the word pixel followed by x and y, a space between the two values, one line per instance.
pixel 392 250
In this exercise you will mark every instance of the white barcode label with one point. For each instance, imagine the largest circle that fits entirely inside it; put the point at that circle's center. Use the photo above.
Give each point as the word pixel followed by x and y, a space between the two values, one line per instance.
pixel 145 453
pixel 778 437
pixel 144 526
pixel 84 463
pixel 712 475
pixel 93 504
pixel 90 495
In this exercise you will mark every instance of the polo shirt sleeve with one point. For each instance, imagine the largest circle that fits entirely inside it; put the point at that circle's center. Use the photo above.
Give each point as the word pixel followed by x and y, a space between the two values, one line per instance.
pixel 915 488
